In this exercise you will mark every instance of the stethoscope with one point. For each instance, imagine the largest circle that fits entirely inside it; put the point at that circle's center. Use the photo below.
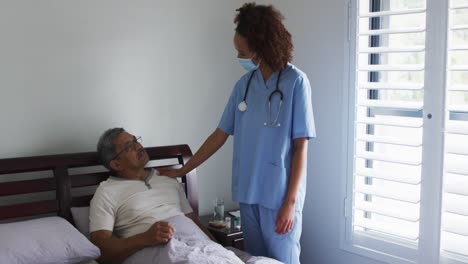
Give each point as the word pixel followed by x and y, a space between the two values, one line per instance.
pixel 243 105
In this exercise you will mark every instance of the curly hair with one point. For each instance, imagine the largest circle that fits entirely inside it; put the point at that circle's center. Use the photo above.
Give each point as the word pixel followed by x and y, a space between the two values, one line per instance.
pixel 265 33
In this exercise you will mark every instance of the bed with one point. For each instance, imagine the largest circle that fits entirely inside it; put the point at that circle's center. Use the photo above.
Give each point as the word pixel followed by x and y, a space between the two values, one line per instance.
pixel 71 179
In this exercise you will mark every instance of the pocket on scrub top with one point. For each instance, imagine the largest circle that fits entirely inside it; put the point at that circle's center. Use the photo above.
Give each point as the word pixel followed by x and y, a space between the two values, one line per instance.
pixel 274 182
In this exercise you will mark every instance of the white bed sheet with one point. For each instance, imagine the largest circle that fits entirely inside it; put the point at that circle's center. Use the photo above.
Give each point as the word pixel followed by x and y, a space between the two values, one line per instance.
pixel 190 245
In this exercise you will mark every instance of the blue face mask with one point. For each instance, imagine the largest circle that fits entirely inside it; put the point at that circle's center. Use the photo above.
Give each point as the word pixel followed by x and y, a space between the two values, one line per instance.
pixel 247 64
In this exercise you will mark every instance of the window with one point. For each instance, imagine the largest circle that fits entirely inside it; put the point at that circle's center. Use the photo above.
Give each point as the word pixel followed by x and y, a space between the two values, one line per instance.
pixel 454 237
pixel 407 195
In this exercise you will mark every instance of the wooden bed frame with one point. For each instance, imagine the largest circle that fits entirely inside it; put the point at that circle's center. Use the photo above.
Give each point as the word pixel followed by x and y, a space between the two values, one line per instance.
pixel 63 181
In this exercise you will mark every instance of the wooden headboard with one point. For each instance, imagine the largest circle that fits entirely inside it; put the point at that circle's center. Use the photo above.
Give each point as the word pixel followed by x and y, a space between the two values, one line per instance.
pixel 64 181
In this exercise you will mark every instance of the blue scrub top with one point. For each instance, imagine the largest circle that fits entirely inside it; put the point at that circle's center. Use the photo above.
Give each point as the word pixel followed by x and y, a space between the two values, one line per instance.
pixel 262 155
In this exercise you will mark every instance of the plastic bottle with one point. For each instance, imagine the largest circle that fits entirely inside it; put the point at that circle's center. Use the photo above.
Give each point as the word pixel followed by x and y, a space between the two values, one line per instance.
pixel 227 220
pixel 237 223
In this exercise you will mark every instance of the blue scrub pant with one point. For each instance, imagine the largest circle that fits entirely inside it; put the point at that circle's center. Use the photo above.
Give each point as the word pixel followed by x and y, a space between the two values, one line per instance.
pixel 260 238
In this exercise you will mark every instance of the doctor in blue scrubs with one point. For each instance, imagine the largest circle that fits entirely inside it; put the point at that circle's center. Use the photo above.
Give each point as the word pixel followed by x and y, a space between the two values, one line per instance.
pixel 269 114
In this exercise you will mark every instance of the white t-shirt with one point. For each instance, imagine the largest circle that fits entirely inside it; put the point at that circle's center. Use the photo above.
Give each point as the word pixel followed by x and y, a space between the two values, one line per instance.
pixel 130 207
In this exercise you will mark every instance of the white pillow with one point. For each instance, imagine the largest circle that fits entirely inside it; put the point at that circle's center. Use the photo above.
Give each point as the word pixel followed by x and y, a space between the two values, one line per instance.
pixel 44 240
pixel 81 219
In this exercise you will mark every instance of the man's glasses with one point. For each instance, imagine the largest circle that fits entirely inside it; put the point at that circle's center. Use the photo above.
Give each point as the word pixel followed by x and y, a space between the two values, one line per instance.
pixel 129 146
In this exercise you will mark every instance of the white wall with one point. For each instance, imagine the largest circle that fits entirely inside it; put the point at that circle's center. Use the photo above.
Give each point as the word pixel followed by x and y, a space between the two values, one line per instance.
pixel 161 69
pixel 70 69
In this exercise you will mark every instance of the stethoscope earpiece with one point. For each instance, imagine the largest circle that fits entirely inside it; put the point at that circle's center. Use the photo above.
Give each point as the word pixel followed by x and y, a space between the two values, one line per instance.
pixel 243 105
pixel 272 125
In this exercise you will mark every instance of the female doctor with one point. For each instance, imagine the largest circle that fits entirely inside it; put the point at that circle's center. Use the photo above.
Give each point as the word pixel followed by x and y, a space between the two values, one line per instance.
pixel 269 113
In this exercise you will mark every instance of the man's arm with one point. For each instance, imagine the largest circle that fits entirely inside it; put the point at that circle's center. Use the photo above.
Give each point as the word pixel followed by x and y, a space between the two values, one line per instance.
pixel 118 249
pixel 195 219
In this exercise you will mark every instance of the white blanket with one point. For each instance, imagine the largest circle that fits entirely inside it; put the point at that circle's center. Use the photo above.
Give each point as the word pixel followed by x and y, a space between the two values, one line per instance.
pixel 189 245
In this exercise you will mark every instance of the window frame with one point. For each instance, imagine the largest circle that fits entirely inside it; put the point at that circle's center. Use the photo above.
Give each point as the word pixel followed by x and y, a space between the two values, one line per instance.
pixel 382 249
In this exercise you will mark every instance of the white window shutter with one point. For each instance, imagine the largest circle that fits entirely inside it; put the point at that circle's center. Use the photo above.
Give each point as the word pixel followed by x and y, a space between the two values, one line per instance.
pixel 454 229
pixel 388 129
pixel 409 154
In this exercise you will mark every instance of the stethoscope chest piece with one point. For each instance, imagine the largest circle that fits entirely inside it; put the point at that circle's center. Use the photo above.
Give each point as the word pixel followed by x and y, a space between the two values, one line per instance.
pixel 242 106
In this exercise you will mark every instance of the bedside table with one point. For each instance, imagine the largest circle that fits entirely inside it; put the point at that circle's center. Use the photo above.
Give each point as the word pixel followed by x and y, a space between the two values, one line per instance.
pixel 227 236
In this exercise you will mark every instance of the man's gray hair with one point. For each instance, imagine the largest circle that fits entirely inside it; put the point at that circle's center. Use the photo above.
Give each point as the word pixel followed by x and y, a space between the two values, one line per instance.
pixel 105 147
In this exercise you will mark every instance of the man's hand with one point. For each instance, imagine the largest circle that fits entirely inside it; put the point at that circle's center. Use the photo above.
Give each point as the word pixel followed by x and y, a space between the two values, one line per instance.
pixel 158 234
pixel 117 249
pixel 173 173
pixel 285 218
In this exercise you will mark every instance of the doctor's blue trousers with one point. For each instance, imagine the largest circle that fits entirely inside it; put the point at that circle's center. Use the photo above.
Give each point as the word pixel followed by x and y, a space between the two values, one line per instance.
pixel 260 238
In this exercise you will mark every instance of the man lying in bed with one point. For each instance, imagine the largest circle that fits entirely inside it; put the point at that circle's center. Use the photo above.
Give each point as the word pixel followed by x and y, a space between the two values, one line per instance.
pixel 135 204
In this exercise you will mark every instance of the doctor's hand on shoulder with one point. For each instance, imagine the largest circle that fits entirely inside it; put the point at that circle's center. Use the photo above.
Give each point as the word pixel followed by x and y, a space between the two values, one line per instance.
pixel 208 148
pixel 285 218
pixel 170 172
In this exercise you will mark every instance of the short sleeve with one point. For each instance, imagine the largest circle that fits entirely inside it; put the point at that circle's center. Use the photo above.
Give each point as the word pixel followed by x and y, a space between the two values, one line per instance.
pixel 303 124
pixel 227 121
pixel 184 203
pixel 101 212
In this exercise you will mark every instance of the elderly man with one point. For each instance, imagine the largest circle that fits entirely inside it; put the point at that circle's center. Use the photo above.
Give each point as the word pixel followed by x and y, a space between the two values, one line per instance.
pixel 134 202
